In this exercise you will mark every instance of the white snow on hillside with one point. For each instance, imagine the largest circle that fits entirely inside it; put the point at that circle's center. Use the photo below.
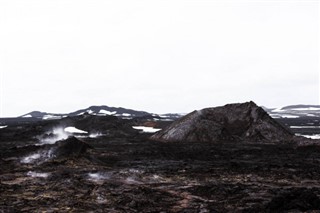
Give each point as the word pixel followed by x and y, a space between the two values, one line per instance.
pixel 316 136
pixel 306 109
pixel 305 127
pixel 146 129
pixel 51 117
pixel 126 114
pixel 289 116
pixel 27 116
pixel 278 110
pixel 102 111
pixel 73 130
pixel 95 135
pixel 313 136
pixel 311 115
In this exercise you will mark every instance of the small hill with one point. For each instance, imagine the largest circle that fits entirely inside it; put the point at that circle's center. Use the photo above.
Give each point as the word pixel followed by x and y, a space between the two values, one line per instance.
pixel 241 121
pixel 71 147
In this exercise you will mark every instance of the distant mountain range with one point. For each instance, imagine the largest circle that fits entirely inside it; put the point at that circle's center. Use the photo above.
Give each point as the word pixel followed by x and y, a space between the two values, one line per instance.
pixel 294 111
pixel 287 112
pixel 102 111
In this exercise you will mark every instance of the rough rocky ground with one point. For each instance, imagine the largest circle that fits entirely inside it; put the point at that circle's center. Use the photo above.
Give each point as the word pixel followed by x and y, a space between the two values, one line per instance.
pixel 124 171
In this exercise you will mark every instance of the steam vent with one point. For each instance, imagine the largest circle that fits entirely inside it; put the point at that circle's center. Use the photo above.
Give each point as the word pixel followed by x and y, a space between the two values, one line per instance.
pixel 244 121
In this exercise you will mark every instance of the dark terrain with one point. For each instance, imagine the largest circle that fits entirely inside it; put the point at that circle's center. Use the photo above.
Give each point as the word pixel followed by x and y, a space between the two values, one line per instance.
pixel 122 170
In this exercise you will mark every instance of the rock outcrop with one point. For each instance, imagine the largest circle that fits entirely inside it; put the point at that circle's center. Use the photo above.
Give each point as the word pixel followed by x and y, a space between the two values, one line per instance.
pixel 244 121
pixel 71 147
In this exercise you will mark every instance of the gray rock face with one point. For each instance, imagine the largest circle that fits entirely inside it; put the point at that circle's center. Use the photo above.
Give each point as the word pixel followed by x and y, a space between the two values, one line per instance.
pixel 245 121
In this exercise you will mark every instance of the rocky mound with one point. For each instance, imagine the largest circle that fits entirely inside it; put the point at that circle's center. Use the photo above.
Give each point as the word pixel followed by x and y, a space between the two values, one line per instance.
pixel 244 121
pixel 71 147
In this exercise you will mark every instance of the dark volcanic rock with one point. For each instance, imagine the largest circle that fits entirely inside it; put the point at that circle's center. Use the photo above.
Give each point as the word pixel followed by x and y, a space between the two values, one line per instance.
pixel 245 121
pixel 71 147
pixel 297 199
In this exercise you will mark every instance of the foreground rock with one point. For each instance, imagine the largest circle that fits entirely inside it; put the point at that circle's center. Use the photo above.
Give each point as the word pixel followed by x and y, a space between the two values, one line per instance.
pixel 295 199
pixel 145 176
pixel 245 121
pixel 71 147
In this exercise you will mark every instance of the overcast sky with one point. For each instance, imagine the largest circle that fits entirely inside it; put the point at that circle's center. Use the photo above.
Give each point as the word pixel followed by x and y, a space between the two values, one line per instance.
pixel 158 56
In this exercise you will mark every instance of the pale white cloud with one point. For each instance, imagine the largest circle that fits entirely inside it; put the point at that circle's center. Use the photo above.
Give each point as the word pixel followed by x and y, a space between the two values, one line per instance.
pixel 161 56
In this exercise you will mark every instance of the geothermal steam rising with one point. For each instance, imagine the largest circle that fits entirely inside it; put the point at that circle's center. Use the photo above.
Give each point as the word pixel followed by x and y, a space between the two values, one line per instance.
pixel 55 135
pixel 62 133
pixel 51 137
pixel 39 157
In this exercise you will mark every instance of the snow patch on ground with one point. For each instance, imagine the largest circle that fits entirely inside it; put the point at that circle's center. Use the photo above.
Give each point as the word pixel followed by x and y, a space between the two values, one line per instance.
pixel 275 115
pixel 102 111
pixel 51 117
pixel 95 135
pixel 126 114
pixel 289 116
pixel 313 136
pixel 92 135
pixel 316 136
pixel 311 115
pixel 146 129
pixel 1 127
pixel 27 116
pixel 305 127
pixel 37 174
pixel 306 109
pixel 278 110
pixel 72 130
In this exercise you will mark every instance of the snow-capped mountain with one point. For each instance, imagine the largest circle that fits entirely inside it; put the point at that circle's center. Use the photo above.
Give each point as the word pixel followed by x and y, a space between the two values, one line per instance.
pixel 106 110
pixel 43 115
pixel 295 111
pixel 102 111
pixel 292 111
pixel 301 119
